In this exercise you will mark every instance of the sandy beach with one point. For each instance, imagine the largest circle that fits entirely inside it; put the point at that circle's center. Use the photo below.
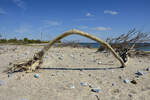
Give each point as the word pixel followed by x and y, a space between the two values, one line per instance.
pixel 73 74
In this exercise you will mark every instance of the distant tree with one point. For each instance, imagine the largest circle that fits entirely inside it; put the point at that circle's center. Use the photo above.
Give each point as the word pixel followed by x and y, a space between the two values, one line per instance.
pixel 37 41
pixel 3 40
pixel 14 40
pixel 25 40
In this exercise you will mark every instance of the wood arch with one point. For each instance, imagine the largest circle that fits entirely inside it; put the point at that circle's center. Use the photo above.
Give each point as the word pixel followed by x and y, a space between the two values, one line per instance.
pixel 35 63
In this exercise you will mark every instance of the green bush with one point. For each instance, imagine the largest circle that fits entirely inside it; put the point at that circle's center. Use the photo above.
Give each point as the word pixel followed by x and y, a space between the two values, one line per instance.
pixel 3 40
pixel 12 40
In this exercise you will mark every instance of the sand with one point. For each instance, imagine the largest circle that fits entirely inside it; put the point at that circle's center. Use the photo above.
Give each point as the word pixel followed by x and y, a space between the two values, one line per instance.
pixel 63 71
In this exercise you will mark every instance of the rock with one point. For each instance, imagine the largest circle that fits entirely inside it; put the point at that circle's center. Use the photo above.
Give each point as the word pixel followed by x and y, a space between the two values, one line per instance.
pixel 97 90
pixel 91 86
pixel 83 83
pixel 60 58
pixel 113 84
pixel 139 73
pixel 116 91
pixel 22 99
pixel 134 82
pixel 99 62
pixel 1 82
pixel 10 63
pixel 9 75
pixel 147 69
pixel 72 86
pixel 89 75
pixel 120 77
pixel 36 75
pixel 126 81
pixel 130 95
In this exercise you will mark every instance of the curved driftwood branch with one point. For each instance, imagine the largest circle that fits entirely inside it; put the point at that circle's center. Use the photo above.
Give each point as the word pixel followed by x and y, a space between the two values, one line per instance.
pixel 34 63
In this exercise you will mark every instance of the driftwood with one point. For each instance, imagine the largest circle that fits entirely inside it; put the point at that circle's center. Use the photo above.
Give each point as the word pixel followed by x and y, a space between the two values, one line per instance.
pixel 127 44
pixel 36 61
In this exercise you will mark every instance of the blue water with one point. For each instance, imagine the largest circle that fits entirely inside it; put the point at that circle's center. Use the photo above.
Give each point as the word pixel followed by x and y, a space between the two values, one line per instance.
pixel 96 45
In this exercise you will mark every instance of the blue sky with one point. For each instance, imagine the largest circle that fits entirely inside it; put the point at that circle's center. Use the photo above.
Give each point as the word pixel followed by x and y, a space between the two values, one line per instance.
pixel 102 18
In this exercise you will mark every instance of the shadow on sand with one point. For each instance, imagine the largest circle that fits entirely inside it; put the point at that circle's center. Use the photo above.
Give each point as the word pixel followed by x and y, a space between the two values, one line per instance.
pixel 110 68
pixel 80 69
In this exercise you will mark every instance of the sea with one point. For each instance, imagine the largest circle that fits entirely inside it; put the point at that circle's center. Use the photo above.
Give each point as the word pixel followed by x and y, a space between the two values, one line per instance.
pixel 142 46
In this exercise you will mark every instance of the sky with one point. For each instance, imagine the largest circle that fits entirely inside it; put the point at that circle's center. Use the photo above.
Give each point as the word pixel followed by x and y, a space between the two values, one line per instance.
pixel 101 18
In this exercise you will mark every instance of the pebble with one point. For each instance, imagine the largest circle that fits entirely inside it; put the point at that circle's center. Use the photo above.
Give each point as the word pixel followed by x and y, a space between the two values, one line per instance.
pixel 1 82
pixel 113 84
pixel 97 90
pixel 9 75
pixel 134 82
pixel 60 58
pixel 36 75
pixel 99 62
pixel 91 86
pixel 120 77
pixel 89 75
pixel 140 73
pixel 147 69
pixel 10 63
pixel 22 99
pixel 83 83
pixel 72 86
pixel 126 81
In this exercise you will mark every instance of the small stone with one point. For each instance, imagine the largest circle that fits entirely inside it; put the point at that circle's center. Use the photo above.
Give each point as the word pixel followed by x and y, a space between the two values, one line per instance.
pixel 91 86
pixel 1 82
pixel 147 69
pixel 126 81
pixel 99 62
pixel 97 90
pixel 83 83
pixel 36 75
pixel 120 77
pixel 90 75
pixel 60 58
pixel 134 82
pixel 113 84
pixel 10 63
pixel 72 86
pixel 129 95
pixel 116 91
pixel 140 73
pixel 22 99
pixel 52 75
pixel 9 75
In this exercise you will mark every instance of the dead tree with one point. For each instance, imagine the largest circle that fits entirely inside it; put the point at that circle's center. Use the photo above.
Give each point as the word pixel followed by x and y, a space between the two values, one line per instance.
pixel 125 43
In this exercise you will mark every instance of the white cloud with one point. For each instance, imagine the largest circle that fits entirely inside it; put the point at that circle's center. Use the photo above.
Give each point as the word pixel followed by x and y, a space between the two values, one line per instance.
pixel 2 12
pixel 20 3
pixel 88 14
pixel 102 28
pixel 110 12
